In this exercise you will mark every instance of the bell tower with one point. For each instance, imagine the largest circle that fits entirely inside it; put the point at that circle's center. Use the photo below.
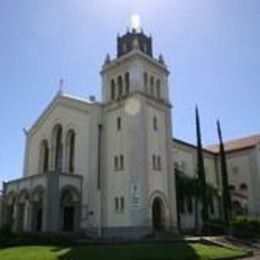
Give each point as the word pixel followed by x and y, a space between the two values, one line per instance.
pixel 133 40
pixel 138 175
pixel 134 69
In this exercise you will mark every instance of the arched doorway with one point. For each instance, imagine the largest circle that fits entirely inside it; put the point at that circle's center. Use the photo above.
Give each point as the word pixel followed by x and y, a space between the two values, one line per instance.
pixel 69 209
pixel 37 208
pixel 39 220
pixel 68 218
pixel 10 205
pixel 157 214
pixel 23 211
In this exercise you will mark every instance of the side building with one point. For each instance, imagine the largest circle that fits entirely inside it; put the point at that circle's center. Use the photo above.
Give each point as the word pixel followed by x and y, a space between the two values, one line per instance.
pixel 243 163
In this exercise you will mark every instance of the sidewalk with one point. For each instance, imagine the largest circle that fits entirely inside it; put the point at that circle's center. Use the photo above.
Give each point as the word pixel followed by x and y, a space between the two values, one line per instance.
pixel 229 241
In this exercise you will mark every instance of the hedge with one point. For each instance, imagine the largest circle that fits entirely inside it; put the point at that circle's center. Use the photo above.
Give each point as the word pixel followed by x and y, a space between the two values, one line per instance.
pixel 245 227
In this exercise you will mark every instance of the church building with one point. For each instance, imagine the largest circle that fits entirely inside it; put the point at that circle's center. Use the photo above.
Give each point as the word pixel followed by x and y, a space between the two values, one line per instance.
pixel 108 168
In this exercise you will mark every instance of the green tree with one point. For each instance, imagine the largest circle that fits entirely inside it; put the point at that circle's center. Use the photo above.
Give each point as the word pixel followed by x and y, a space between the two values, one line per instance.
pixel 226 200
pixel 201 173
pixel 187 191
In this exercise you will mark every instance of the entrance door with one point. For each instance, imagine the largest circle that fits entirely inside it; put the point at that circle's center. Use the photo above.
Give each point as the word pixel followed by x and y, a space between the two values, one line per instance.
pixel 39 220
pixel 157 214
pixel 68 218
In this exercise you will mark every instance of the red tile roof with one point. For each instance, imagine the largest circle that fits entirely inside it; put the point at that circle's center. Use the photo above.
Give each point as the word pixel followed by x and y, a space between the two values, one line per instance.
pixel 237 144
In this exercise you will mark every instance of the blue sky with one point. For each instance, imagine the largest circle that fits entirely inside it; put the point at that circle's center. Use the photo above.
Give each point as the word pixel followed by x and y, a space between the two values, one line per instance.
pixel 212 48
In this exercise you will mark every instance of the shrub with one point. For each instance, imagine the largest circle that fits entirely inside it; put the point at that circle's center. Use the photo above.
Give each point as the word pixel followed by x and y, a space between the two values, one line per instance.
pixel 216 227
pixel 52 238
pixel 6 235
pixel 245 227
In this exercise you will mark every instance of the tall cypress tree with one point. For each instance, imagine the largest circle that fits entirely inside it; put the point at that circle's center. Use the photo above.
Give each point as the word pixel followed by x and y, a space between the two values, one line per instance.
pixel 201 172
pixel 224 174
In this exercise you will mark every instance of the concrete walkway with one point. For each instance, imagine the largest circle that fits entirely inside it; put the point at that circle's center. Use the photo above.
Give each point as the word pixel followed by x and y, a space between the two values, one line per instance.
pixel 253 245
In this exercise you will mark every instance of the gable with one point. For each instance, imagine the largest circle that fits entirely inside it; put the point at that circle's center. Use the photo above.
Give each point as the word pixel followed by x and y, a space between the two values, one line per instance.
pixel 62 103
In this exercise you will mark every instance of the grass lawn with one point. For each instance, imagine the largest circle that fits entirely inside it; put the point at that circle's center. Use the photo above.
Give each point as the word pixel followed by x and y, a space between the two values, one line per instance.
pixel 162 251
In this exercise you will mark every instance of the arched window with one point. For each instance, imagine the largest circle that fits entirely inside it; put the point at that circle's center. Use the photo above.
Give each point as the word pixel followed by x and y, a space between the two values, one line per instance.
pixel 70 150
pixel 243 187
pixel 57 147
pixel 152 85
pixel 158 88
pixel 44 157
pixel 121 162
pixel 155 125
pixel 118 123
pixel 116 165
pixel 112 90
pixel 127 83
pixel 154 161
pixel 145 82
pixel 232 188
pixel 120 86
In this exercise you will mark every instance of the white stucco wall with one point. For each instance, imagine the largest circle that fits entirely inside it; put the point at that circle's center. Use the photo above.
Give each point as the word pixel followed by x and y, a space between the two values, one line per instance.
pixel 242 170
pixel 68 117
pixel 116 182
pixel 186 157
pixel 84 119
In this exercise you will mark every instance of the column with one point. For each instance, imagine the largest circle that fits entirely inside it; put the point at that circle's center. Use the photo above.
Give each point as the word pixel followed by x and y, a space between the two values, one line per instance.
pixel 15 218
pixel 27 216
pixel 45 213
pixel 51 208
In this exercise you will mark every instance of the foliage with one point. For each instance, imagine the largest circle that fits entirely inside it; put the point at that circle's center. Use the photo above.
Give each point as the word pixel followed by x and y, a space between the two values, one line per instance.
pixel 58 238
pixel 216 227
pixel 245 227
pixel 201 172
pixel 227 206
pixel 155 251
pixel 190 187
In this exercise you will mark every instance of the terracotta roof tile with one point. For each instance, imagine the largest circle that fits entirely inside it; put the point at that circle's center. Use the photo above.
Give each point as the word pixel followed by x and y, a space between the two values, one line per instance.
pixel 237 144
